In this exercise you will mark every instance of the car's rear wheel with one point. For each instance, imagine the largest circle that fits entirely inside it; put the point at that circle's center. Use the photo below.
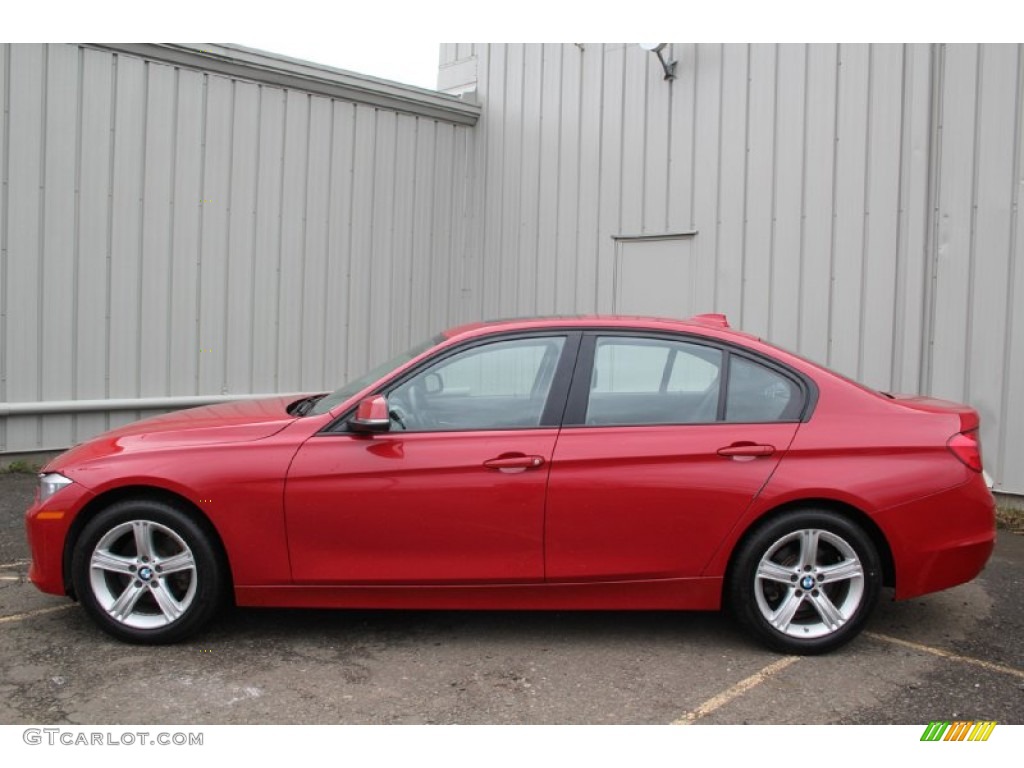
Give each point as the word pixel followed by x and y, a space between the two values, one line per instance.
pixel 805 582
pixel 146 572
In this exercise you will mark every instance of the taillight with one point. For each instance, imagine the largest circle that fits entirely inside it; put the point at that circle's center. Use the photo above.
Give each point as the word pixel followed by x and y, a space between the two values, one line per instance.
pixel 965 446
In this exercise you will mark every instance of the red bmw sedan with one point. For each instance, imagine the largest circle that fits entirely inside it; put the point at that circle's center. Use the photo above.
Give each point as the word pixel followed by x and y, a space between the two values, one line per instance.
pixel 554 463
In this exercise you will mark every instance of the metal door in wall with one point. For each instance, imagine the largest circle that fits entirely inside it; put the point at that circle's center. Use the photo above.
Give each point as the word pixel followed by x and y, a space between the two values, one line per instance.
pixel 654 276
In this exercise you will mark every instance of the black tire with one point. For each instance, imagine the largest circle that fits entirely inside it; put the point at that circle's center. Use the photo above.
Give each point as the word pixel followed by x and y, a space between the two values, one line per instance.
pixel 805 582
pixel 161 592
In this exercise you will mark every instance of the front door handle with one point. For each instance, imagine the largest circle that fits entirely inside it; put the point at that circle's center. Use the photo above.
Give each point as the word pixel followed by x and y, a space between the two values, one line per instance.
pixel 514 462
pixel 746 450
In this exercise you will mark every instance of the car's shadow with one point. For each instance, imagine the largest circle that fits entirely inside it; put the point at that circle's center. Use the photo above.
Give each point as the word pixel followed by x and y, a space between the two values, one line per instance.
pixel 283 631
pixel 475 627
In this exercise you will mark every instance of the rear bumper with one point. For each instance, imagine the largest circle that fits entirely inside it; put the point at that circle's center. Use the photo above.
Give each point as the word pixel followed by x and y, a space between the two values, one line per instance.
pixel 942 540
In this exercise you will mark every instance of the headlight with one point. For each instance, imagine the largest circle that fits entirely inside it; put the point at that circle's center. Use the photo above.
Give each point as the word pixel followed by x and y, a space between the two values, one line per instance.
pixel 50 483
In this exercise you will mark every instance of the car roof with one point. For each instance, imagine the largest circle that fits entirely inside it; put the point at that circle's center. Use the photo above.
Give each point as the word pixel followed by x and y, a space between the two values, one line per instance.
pixel 717 323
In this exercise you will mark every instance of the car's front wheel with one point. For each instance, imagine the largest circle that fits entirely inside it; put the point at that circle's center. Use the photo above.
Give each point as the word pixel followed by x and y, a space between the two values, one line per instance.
pixel 805 582
pixel 146 572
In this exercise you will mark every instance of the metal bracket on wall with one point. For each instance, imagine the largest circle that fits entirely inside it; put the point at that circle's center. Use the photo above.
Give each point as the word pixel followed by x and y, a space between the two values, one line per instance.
pixel 657 236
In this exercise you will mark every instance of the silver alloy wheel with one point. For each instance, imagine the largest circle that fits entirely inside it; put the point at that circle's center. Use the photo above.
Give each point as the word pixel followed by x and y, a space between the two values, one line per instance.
pixel 809 583
pixel 143 574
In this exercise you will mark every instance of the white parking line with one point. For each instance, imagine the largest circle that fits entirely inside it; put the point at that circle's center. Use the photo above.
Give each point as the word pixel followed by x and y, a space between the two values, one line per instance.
pixel 30 614
pixel 12 566
pixel 715 702
pixel 10 578
pixel 948 654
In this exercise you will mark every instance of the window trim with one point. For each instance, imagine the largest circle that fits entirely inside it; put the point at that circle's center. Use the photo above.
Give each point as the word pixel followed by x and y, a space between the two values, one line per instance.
pixel 579 392
pixel 723 388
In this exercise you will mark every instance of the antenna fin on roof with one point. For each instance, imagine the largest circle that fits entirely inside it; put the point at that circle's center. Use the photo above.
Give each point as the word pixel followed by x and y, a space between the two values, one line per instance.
pixel 712 318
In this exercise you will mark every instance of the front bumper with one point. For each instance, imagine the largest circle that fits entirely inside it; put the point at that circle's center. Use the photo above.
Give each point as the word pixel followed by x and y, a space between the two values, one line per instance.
pixel 47 525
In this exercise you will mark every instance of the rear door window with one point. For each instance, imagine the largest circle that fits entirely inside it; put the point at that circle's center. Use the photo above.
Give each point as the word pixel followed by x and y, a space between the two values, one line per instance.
pixel 653 381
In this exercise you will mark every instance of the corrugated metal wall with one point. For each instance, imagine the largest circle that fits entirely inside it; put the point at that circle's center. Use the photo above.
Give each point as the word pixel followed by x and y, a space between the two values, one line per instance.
pixel 976 350
pixel 171 231
pixel 167 231
pixel 858 203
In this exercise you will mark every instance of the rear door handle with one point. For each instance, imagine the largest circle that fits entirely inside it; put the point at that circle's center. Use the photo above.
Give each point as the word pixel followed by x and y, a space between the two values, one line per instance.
pixel 749 450
pixel 513 462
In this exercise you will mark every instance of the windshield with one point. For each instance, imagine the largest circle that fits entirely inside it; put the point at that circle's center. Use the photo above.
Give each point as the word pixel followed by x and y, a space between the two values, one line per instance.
pixel 339 396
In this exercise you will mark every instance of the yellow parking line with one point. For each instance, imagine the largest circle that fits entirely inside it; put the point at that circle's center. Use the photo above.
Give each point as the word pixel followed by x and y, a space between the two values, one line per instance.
pixel 948 655
pixel 716 702
pixel 30 614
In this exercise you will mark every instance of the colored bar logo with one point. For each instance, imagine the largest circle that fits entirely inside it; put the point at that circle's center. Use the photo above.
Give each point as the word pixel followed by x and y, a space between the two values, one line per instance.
pixel 959 730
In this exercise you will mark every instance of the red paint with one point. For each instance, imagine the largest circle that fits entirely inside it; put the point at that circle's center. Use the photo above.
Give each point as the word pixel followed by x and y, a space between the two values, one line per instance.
pixel 417 508
pixel 577 517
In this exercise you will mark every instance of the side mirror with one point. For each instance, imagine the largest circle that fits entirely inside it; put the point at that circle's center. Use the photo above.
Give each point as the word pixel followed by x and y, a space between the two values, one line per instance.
pixel 371 415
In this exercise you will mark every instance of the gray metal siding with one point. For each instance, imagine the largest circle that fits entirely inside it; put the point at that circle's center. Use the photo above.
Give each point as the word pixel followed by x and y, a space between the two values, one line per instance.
pixel 1010 447
pixel 858 203
pixel 169 228
pixel 23 342
pixel 5 93
pixel 169 231
pixel 978 332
